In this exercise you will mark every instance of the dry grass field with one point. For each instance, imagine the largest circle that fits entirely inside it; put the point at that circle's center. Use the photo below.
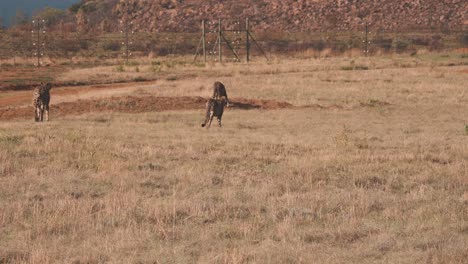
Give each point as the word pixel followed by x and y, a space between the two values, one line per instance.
pixel 369 166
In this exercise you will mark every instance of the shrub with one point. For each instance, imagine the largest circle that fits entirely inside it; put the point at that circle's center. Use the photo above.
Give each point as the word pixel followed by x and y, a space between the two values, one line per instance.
pixel 339 46
pixel 421 41
pixel 155 68
pixel 162 51
pixel 436 43
pixel 51 15
pixel 120 68
pixel 75 7
pixel 89 7
pixel 400 45
pixel 133 63
pixel 111 45
pixel 68 45
pixel 464 39
pixel 167 4
pixel 172 78
pixel 384 43
pixel 354 68
pixel 354 42
pixel 319 45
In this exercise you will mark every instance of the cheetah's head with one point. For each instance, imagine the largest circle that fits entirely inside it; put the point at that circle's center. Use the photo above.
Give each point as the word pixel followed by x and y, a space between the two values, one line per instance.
pixel 48 86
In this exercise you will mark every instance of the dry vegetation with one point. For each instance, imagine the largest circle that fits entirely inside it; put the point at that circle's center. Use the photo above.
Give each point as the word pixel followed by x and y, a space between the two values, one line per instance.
pixel 371 168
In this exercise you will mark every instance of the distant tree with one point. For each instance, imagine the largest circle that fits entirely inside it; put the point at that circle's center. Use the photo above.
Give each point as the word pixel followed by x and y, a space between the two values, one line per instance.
pixel 1 23
pixel 464 39
pixel 52 16
pixel 20 18
pixel 76 7
pixel 17 43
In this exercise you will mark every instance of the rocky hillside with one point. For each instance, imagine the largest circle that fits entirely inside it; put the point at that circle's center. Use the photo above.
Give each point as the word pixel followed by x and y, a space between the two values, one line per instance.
pixel 275 15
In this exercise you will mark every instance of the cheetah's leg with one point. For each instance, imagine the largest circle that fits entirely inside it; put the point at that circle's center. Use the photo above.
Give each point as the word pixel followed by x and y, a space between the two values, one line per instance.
pixel 211 119
pixel 47 113
pixel 220 114
pixel 41 113
pixel 36 113
pixel 207 115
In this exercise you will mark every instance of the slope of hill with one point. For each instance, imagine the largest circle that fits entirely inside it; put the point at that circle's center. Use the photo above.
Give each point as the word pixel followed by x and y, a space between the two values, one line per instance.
pixel 276 15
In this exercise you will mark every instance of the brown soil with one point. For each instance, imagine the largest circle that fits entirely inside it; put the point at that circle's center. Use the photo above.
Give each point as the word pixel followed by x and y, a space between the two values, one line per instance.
pixel 24 78
pixel 21 98
pixel 132 104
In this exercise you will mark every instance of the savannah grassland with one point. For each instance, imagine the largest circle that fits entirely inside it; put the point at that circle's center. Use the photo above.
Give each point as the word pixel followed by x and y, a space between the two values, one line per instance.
pixel 370 166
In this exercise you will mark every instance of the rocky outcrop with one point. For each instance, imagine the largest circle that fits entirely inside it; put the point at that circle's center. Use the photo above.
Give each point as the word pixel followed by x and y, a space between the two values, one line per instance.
pixel 281 15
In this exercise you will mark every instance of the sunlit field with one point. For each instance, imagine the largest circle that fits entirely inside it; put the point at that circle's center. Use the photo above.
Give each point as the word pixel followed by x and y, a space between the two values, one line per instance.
pixel 369 164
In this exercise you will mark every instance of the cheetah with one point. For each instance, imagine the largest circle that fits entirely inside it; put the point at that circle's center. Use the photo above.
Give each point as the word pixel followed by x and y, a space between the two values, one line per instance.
pixel 41 100
pixel 214 108
pixel 219 92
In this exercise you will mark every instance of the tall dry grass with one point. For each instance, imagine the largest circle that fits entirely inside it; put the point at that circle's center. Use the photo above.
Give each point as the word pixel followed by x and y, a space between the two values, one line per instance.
pixel 366 182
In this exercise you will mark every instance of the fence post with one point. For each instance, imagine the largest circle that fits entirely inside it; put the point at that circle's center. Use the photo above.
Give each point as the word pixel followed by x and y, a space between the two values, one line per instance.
pixel 204 40
pixel 247 39
pixel 40 42
pixel 366 49
pixel 126 41
pixel 220 41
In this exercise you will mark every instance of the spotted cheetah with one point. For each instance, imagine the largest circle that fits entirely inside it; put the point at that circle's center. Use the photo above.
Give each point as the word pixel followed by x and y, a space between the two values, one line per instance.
pixel 214 108
pixel 219 92
pixel 41 100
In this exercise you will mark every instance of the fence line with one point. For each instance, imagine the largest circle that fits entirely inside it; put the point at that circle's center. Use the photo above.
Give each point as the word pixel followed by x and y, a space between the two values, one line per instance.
pixel 60 44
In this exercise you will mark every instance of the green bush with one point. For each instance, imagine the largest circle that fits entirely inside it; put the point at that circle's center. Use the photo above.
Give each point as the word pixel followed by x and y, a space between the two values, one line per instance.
pixel 120 68
pixel 464 39
pixel 75 7
pixel 355 68
pixel 140 79
pixel 111 45
pixel 51 15
pixel 383 43
pixel 436 43
pixel 400 45
pixel 89 7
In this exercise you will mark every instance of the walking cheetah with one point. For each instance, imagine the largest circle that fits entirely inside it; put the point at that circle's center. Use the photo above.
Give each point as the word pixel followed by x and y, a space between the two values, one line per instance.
pixel 214 108
pixel 219 92
pixel 41 100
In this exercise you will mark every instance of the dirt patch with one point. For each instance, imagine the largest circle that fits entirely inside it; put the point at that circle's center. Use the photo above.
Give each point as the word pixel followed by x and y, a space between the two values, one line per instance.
pixel 248 104
pixel 26 77
pixel 374 103
pixel 323 107
pixel 31 86
pixel 63 93
pixel 133 104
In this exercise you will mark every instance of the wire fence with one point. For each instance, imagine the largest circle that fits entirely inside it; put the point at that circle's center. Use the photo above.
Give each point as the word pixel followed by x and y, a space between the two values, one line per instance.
pixel 114 45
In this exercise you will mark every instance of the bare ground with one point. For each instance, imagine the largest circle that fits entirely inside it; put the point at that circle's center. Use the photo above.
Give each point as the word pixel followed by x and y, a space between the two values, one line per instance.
pixel 134 104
